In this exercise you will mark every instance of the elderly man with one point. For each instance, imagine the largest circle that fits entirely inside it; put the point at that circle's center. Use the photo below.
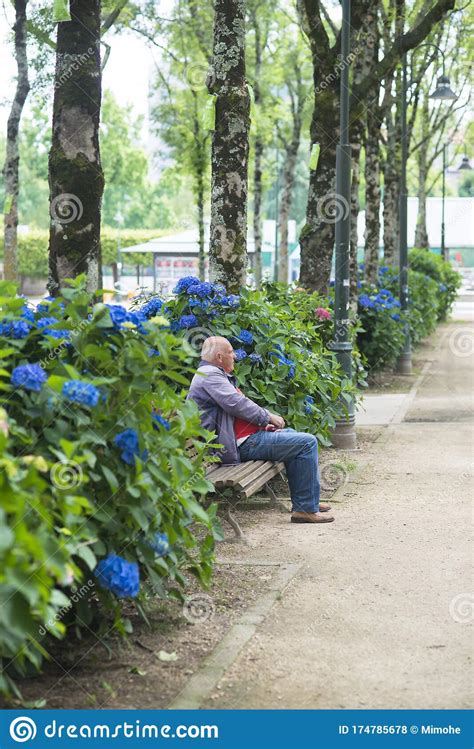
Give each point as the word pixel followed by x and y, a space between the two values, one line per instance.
pixel 249 432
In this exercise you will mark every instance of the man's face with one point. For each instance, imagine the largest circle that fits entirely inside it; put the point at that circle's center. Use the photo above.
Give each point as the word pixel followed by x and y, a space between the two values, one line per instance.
pixel 226 358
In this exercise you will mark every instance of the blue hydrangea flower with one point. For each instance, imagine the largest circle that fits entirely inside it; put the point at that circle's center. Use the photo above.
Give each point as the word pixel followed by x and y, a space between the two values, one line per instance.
pixel 308 404
pixel 127 441
pixel 81 392
pixel 184 283
pixel 187 321
pixel 122 578
pixel 366 301
pixel 152 307
pixel 118 314
pixel 153 352
pixel 46 321
pixel 255 358
pixel 27 313
pixel 245 336
pixel 202 289
pixel 15 329
pixel 291 373
pixel 43 307
pixel 240 354
pixel 232 300
pixel 218 288
pixel 442 287
pixel 62 333
pixel 29 377
pixel 160 544
pixel 384 269
pixel 395 316
pixel 160 420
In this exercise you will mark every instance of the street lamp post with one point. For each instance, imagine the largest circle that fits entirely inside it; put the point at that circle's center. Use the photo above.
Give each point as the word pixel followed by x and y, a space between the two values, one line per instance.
pixel 404 360
pixel 344 434
pixel 443 191
pixel 444 92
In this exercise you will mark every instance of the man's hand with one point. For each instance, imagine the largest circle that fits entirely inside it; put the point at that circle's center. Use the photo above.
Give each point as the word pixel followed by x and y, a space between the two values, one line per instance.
pixel 277 421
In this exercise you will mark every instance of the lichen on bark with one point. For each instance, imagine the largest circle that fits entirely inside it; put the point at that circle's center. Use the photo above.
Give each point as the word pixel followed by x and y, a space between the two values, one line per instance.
pixel 230 147
pixel 75 173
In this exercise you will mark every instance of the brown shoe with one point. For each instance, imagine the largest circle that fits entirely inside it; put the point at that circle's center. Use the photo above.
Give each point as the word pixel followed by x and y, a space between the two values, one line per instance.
pixel 323 507
pixel 310 517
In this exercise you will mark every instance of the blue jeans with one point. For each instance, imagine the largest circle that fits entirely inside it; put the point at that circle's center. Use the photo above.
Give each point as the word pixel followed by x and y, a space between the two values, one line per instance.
pixel 299 452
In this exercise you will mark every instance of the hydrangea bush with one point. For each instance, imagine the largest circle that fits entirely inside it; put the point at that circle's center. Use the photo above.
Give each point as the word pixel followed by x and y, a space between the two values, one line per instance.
pixel 382 336
pixel 448 280
pixel 282 361
pixel 97 493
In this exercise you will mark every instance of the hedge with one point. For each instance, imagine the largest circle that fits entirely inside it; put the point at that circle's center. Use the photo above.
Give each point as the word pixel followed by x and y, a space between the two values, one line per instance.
pixel 33 248
pixel 99 500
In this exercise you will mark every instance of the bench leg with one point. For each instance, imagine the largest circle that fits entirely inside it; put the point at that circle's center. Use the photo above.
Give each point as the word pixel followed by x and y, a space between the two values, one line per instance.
pixel 274 501
pixel 238 537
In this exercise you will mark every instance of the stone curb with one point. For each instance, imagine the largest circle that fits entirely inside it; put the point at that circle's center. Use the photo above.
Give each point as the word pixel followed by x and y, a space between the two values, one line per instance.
pixel 203 683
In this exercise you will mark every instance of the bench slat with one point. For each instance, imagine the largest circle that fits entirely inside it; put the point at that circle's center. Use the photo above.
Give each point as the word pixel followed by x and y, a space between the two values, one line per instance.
pixel 253 473
pixel 259 482
pixel 270 469
pixel 234 474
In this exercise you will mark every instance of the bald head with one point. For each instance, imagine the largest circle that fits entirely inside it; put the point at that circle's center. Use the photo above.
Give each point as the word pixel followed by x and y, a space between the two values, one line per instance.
pixel 218 350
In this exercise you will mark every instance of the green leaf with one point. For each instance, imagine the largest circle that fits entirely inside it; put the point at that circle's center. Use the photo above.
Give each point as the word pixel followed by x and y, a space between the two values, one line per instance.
pixel 87 555
pixel 7 537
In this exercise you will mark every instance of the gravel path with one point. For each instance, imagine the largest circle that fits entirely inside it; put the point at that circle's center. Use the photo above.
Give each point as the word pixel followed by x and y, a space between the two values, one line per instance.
pixel 380 613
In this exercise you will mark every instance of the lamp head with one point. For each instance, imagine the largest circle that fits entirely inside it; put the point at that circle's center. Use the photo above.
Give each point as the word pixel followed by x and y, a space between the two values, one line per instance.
pixel 465 164
pixel 443 89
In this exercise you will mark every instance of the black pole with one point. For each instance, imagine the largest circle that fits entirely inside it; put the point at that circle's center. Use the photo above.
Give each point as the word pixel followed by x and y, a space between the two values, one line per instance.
pixel 404 361
pixel 443 241
pixel 277 210
pixel 344 433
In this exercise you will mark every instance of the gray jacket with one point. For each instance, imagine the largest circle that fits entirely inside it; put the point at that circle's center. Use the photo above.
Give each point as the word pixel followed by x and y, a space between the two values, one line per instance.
pixel 219 403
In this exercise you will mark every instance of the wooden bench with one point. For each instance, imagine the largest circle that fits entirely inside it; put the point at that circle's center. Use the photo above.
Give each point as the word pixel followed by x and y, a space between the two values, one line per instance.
pixel 242 480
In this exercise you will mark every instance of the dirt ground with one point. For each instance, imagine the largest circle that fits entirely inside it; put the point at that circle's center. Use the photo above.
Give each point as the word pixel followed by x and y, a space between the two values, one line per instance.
pixel 108 672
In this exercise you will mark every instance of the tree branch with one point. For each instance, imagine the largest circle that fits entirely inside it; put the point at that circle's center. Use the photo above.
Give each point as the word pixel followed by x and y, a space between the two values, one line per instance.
pixel 402 44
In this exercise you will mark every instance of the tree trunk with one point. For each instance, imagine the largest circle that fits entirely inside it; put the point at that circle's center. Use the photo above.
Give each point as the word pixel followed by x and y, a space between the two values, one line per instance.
pixel 257 210
pixel 372 198
pixel 355 182
pixel 323 207
pixel 230 147
pixel 289 171
pixel 199 168
pixel 258 154
pixel 391 197
pixel 76 179
pixel 421 232
pixel 200 211
pixel 12 156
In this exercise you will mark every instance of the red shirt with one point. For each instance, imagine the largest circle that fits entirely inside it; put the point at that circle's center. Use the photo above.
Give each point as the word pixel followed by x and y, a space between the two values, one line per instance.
pixel 244 428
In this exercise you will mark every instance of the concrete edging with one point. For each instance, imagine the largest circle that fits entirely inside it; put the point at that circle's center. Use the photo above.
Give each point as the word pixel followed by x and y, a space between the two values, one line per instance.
pixel 201 684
